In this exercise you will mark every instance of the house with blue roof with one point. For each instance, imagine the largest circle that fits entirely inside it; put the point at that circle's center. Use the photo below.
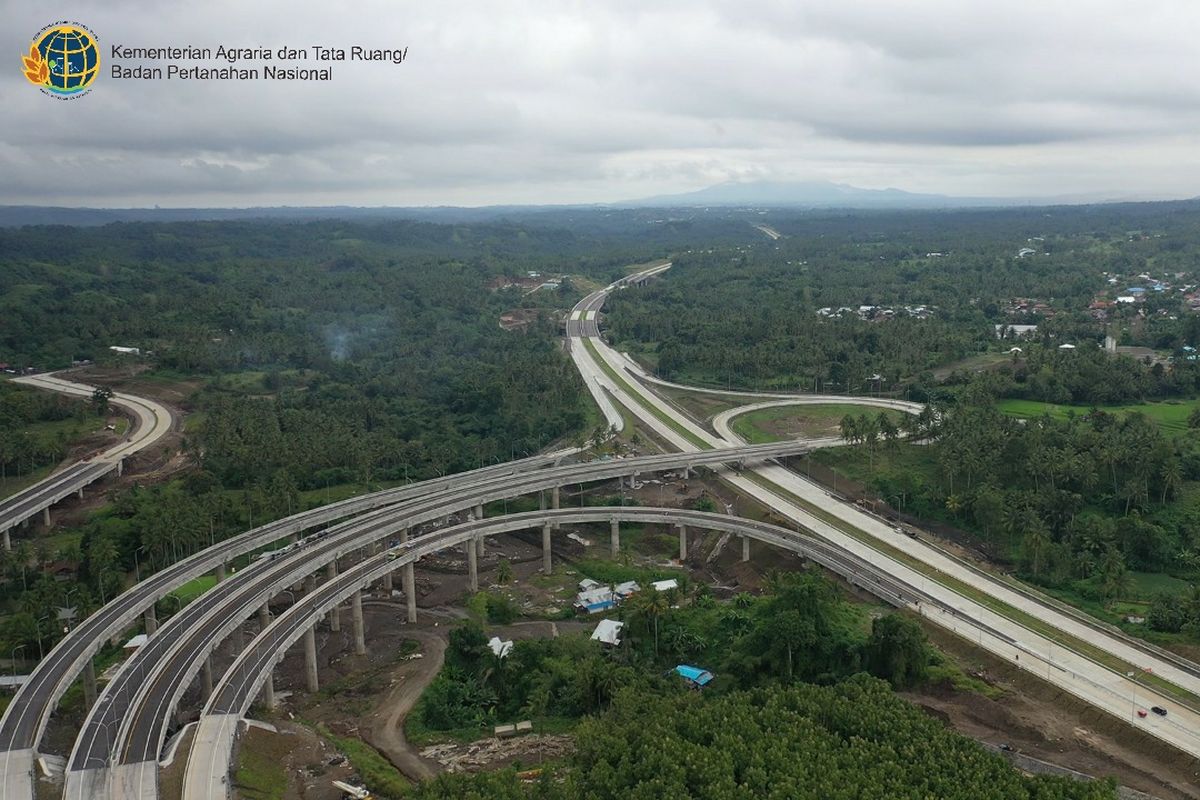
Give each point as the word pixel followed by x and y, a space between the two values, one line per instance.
pixel 695 677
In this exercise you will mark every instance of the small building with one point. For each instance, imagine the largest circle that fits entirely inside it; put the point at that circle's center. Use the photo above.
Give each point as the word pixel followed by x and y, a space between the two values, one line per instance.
pixel 608 632
pixel 694 677
pixel 665 586
pixel 624 590
pixel 587 584
pixel 594 600
pixel 1126 298
pixel 1066 347
pixel 129 351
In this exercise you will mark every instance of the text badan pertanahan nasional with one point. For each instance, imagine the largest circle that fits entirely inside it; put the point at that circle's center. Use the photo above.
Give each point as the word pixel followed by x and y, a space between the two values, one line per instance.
pixel 238 61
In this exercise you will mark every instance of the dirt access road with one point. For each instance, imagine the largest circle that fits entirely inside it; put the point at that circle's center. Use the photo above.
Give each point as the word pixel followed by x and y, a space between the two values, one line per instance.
pixel 383 729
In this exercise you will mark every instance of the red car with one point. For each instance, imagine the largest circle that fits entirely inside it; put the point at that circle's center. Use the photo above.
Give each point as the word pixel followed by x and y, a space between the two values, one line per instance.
pixel 1141 712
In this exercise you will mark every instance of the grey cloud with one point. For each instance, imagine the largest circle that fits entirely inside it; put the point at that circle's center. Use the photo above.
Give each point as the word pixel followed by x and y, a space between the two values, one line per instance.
pixel 528 101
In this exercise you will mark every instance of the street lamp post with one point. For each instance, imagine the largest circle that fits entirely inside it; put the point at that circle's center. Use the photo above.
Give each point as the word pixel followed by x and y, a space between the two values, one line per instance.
pixel 12 658
pixel 137 566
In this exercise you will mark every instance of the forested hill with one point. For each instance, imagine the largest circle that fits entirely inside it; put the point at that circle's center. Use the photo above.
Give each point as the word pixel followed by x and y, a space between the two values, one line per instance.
pixel 333 351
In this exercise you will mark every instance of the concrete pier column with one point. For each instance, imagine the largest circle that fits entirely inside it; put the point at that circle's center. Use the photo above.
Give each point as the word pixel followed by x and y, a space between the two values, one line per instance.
pixel 46 516
pixel 220 572
pixel 310 584
pixel 542 500
pixel 479 541
pixel 360 633
pixel 547 566
pixel 120 468
pixel 206 679
pixel 682 541
pixel 745 548
pixel 620 481
pixel 310 658
pixel 409 584
pixel 614 527
pixel 7 540
pixel 335 617
pixel 151 621
pixel 264 616
pixel 387 583
pixel 80 493
pixel 236 640
pixel 555 497
pixel 410 592
pixel 268 691
pixel 472 565
pixel 89 684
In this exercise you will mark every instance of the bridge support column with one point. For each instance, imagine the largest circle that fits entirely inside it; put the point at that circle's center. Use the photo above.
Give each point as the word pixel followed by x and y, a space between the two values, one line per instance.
pixel 151 621
pixel 89 684
pixel 687 473
pixel 335 618
pixel 46 517
pixel 542 500
pixel 310 658
pixel 120 468
pixel 360 634
pixel 268 691
pixel 387 584
pixel 745 548
pixel 206 678
pixel 220 572
pixel 409 584
pixel 479 541
pixel 80 493
pixel 547 565
pixel 614 536
pixel 410 592
pixel 7 541
pixel 682 541
pixel 264 616
pixel 472 565
pixel 237 640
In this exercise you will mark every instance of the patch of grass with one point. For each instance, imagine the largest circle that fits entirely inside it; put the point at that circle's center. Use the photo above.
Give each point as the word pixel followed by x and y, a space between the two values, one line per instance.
pixel 612 572
pixel 1171 415
pixel 259 776
pixel 194 588
pixel 383 779
pixel 763 426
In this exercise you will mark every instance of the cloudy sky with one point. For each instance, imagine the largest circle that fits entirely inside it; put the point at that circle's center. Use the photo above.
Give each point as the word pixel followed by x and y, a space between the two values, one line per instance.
pixel 524 101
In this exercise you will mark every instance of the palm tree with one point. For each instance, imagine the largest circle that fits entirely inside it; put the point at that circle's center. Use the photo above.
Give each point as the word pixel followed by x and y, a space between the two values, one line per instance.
pixel 1036 542
pixel 1172 479
pixel 651 605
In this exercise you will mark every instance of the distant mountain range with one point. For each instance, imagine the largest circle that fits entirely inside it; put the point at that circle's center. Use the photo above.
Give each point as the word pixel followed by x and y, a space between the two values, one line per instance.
pixel 823 194
pixel 758 194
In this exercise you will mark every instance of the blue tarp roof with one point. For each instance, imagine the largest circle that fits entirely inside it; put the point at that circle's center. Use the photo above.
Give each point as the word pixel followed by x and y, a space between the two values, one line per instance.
pixel 698 676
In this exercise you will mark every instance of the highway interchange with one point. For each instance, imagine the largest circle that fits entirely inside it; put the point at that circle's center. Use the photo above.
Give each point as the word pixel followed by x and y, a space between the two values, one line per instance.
pixel 151 422
pixel 116 752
